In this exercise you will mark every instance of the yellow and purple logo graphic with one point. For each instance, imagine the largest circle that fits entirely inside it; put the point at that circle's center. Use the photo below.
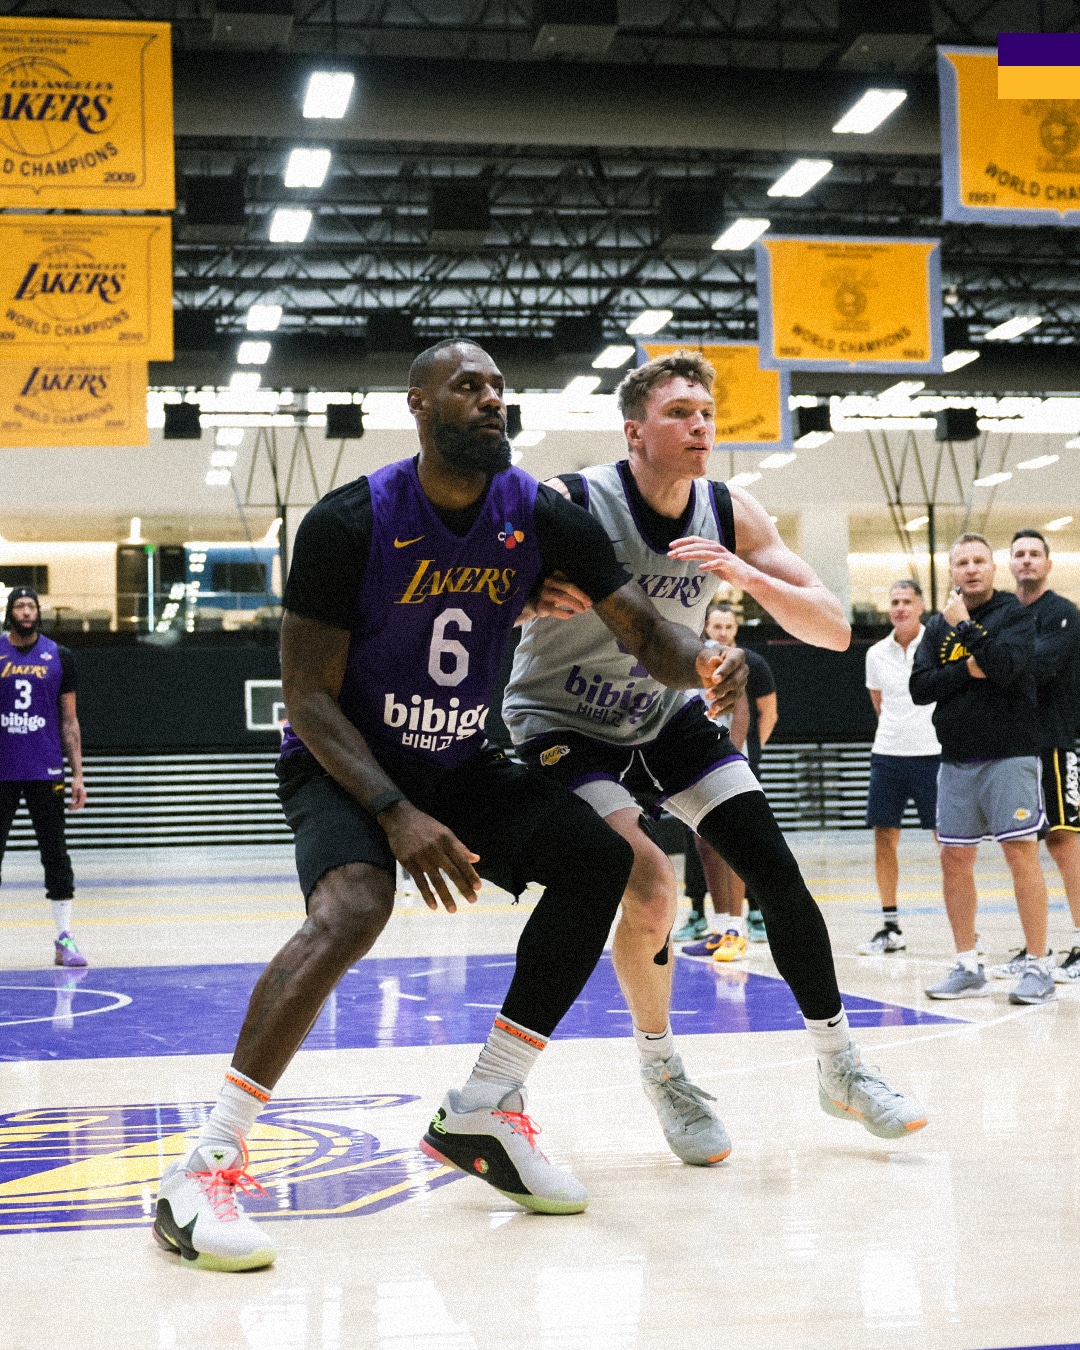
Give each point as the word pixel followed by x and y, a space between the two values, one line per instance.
pixel 1039 65
pixel 317 1158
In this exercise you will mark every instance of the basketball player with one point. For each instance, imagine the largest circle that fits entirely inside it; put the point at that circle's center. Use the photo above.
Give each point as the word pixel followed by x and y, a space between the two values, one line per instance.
pixel 403 589
pixel 588 712
pixel 38 726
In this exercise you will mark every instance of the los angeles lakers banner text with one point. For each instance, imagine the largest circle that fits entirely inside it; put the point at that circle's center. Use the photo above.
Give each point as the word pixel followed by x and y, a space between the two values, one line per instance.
pixel 92 286
pixel 1010 161
pixel 52 402
pixel 751 403
pixel 86 114
pixel 843 304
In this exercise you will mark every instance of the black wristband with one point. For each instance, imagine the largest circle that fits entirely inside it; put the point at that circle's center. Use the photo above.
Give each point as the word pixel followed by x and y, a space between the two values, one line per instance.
pixel 385 800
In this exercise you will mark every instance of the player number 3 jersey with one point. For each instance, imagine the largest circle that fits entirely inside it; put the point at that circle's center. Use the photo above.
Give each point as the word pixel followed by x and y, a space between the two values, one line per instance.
pixel 30 680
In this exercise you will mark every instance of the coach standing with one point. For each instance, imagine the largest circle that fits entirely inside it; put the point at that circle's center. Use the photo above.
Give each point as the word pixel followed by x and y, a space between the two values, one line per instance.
pixel 976 662
pixel 905 756
pixel 38 725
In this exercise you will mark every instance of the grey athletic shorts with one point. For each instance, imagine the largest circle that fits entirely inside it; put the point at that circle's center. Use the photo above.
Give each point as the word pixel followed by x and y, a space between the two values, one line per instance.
pixel 998 799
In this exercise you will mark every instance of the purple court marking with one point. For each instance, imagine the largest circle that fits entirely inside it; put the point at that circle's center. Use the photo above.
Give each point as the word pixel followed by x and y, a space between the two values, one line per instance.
pixel 1069 1345
pixel 389 1001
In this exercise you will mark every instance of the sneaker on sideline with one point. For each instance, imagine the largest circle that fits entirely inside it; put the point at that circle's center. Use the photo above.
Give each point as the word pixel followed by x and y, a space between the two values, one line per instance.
pixel 705 948
pixel 852 1090
pixel 696 926
pixel 1011 969
pixel 888 939
pixel 497 1144
pixel 961 983
pixel 755 927
pixel 1069 969
pixel 199 1218
pixel 1036 985
pixel 694 1132
pixel 66 953
pixel 732 947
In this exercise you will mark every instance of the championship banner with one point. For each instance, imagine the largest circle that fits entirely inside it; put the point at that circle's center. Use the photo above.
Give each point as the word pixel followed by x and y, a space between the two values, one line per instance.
pixel 850 304
pixel 86 115
pixel 78 403
pixel 1005 161
pixel 73 287
pixel 751 404
pixel 1038 65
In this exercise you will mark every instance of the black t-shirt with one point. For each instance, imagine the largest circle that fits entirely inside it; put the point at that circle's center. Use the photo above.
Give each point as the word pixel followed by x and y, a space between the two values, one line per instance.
pixel 1056 669
pixel 759 682
pixel 334 540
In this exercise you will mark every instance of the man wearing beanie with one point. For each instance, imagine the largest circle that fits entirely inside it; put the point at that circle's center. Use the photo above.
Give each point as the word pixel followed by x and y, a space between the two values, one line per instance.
pixel 38 726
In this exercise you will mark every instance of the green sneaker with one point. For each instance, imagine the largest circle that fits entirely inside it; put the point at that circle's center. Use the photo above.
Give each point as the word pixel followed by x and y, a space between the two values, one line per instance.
pixel 755 927
pixel 695 926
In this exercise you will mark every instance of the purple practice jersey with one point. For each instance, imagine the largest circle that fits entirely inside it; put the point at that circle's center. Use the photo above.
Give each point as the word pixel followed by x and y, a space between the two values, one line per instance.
pixel 29 712
pixel 433 616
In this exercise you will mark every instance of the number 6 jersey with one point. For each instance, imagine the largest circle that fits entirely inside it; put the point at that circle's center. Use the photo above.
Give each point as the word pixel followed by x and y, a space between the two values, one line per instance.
pixel 31 682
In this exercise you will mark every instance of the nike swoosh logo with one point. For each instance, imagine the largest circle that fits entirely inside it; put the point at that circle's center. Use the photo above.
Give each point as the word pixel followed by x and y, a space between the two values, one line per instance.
pixel 836 1021
pixel 404 543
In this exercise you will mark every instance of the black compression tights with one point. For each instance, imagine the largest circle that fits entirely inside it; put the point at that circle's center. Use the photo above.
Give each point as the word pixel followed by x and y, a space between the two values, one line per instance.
pixel 585 866
pixel 744 832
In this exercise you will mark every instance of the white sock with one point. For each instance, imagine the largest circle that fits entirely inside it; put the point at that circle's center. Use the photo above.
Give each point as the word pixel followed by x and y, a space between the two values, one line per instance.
pixel 236 1110
pixel 829 1035
pixel 504 1063
pixel 735 923
pixel 61 912
pixel 969 960
pixel 655 1046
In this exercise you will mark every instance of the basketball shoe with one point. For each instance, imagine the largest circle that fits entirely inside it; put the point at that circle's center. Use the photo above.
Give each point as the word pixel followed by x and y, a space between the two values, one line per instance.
pixel 696 926
pixel 1069 970
pixel 707 947
pixel 199 1217
pixel 694 1133
pixel 1013 969
pixel 732 947
pixel 961 983
pixel 888 939
pixel 852 1090
pixel 755 927
pixel 65 952
pixel 498 1145
pixel 1036 983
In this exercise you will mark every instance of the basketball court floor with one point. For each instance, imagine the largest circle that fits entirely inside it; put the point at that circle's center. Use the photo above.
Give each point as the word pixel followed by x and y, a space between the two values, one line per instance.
pixel 813 1235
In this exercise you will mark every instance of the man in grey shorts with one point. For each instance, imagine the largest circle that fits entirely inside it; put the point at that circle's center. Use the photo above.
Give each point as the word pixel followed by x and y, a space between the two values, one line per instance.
pixel 976 662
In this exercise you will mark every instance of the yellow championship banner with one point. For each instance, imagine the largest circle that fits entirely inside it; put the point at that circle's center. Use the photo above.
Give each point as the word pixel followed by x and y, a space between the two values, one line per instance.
pixel 849 304
pixel 751 404
pixel 86 286
pixel 51 402
pixel 86 116
pixel 1007 161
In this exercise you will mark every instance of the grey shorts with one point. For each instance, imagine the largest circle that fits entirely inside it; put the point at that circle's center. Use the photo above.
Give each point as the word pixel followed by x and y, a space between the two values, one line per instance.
pixel 999 799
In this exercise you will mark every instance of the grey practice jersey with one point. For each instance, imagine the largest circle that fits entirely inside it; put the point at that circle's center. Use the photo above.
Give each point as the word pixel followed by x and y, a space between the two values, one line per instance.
pixel 572 674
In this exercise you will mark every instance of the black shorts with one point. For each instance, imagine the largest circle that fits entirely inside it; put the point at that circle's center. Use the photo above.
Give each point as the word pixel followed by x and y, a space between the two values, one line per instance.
pixel 1061 790
pixel 493 804
pixel 897 779
pixel 689 768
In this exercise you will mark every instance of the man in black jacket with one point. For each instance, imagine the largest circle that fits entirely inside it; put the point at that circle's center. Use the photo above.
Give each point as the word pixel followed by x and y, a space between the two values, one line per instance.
pixel 976 662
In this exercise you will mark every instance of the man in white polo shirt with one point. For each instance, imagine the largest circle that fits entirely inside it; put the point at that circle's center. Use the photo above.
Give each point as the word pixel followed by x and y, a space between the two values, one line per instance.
pixel 905 755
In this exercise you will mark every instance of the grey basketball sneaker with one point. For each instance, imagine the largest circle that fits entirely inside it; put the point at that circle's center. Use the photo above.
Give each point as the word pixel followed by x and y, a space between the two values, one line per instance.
pixel 852 1090
pixel 1036 985
pixel 961 983
pixel 1011 969
pixel 694 1133
pixel 1069 970
pixel 497 1144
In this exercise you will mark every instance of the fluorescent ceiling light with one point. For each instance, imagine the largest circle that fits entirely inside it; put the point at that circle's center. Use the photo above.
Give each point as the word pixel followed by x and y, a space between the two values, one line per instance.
pixel 743 479
pixel 903 389
pixel 813 439
pixel 263 318
pixel 244 381
pixel 582 384
pixel 222 459
pixel 218 478
pixel 306 168
pixel 328 93
pixel 611 358
pixel 917 523
pixel 253 353
pixel 870 111
pixel 800 178
pixel 524 439
pixel 271 535
pixel 135 532
pixel 289 226
pixel 1074 444
pixel 1039 462
pixel 741 233
pixel 992 479
pixel 649 321
pixel 777 460
pixel 1059 523
pixel 229 436
pixel 955 360
pixel 1011 328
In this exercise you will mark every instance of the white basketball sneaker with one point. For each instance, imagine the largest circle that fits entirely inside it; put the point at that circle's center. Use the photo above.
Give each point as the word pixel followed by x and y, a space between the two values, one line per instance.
pixel 498 1145
pixel 199 1218
pixel 693 1131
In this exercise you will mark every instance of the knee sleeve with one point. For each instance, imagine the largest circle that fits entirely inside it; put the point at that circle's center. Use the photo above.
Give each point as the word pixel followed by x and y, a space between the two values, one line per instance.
pixel 744 832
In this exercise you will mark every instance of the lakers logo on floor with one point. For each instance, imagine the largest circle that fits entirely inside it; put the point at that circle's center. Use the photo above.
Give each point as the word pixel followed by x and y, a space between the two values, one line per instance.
pixel 98 1167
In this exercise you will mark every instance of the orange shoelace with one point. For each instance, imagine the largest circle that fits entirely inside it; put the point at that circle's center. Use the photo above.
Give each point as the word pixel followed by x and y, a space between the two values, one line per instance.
pixel 521 1124
pixel 221 1184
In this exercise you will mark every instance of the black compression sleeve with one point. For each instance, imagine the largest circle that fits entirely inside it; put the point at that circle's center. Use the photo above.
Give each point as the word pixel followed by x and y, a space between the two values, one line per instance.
pixel 330 556
pixel 68 682
pixel 573 543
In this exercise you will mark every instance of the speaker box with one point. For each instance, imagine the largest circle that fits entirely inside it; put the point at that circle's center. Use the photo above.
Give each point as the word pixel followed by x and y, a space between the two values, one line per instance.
pixel 182 422
pixel 344 421
pixel 513 419
pixel 390 331
pixel 459 214
pixel 956 334
pixel 214 209
pixel 578 333
pixel 194 330
pixel 957 424
pixel 692 215
pixel 812 419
